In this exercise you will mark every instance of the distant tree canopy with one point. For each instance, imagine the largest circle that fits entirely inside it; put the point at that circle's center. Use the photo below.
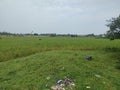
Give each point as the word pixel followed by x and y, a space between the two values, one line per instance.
pixel 114 28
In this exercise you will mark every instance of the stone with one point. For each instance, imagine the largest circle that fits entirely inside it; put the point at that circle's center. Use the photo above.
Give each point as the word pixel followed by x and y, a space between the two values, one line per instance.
pixel 89 57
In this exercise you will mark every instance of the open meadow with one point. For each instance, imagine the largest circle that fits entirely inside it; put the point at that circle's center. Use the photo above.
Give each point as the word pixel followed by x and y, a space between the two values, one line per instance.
pixel 37 63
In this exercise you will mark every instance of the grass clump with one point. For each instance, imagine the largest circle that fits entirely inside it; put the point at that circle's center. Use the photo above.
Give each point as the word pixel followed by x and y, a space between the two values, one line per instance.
pixel 30 73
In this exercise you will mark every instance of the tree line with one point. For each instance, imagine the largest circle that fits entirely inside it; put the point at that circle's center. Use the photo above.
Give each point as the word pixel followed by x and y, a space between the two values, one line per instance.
pixel 114 28
pixel 112 33
pixel 51 35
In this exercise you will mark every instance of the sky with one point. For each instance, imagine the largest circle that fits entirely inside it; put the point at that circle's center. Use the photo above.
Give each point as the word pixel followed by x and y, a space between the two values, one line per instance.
pixel 57 16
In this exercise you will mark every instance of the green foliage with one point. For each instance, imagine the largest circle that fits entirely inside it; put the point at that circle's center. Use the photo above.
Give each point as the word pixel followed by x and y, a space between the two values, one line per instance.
pixel 114 26
pixel 15 47
pixel 26 62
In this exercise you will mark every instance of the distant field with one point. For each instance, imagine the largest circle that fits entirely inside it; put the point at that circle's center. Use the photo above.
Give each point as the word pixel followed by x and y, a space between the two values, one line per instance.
pixel 26 62
pixel 14 47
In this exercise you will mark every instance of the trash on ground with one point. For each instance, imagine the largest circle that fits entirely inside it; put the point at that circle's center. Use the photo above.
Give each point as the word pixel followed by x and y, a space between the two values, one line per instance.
pixel 97 75
pixel 57 88
pixel 88 87
pixel 65 82
pixel 62 84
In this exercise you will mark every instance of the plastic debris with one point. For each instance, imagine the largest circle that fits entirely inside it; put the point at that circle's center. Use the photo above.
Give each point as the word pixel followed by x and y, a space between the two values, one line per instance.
pixel 57 88
pixel 63 84
pixel 97 75
pixel 60 83
pixel 88 87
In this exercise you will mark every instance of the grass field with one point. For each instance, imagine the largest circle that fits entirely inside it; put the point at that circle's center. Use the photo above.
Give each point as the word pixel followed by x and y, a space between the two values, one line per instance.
pixel 26 62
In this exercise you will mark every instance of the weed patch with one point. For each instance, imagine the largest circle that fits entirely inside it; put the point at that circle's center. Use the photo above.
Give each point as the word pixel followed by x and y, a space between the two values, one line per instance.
pixel 33 64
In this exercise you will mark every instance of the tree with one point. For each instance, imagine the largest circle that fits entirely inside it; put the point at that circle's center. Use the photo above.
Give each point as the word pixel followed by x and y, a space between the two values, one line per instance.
pixel 114 28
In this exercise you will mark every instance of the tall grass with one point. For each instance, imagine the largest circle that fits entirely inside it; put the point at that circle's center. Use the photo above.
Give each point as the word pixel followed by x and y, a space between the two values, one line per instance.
pixel 14 47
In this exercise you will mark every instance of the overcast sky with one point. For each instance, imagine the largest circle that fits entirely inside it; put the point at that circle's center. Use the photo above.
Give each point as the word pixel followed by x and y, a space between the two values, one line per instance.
pixel 57 16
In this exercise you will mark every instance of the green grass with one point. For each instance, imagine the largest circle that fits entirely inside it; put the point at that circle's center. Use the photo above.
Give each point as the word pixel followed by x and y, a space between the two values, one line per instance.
pixel 26 62
pixel 15 47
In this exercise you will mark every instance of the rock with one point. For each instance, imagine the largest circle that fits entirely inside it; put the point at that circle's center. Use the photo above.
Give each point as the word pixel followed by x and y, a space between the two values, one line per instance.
pixel 89 57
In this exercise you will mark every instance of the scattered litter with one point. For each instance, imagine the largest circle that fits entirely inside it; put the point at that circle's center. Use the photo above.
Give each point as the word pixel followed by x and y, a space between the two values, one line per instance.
pixel 57 88
pixel 65 82
pixel 89 57
pixel 98 76
pixel 88 87
pixel 62 84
